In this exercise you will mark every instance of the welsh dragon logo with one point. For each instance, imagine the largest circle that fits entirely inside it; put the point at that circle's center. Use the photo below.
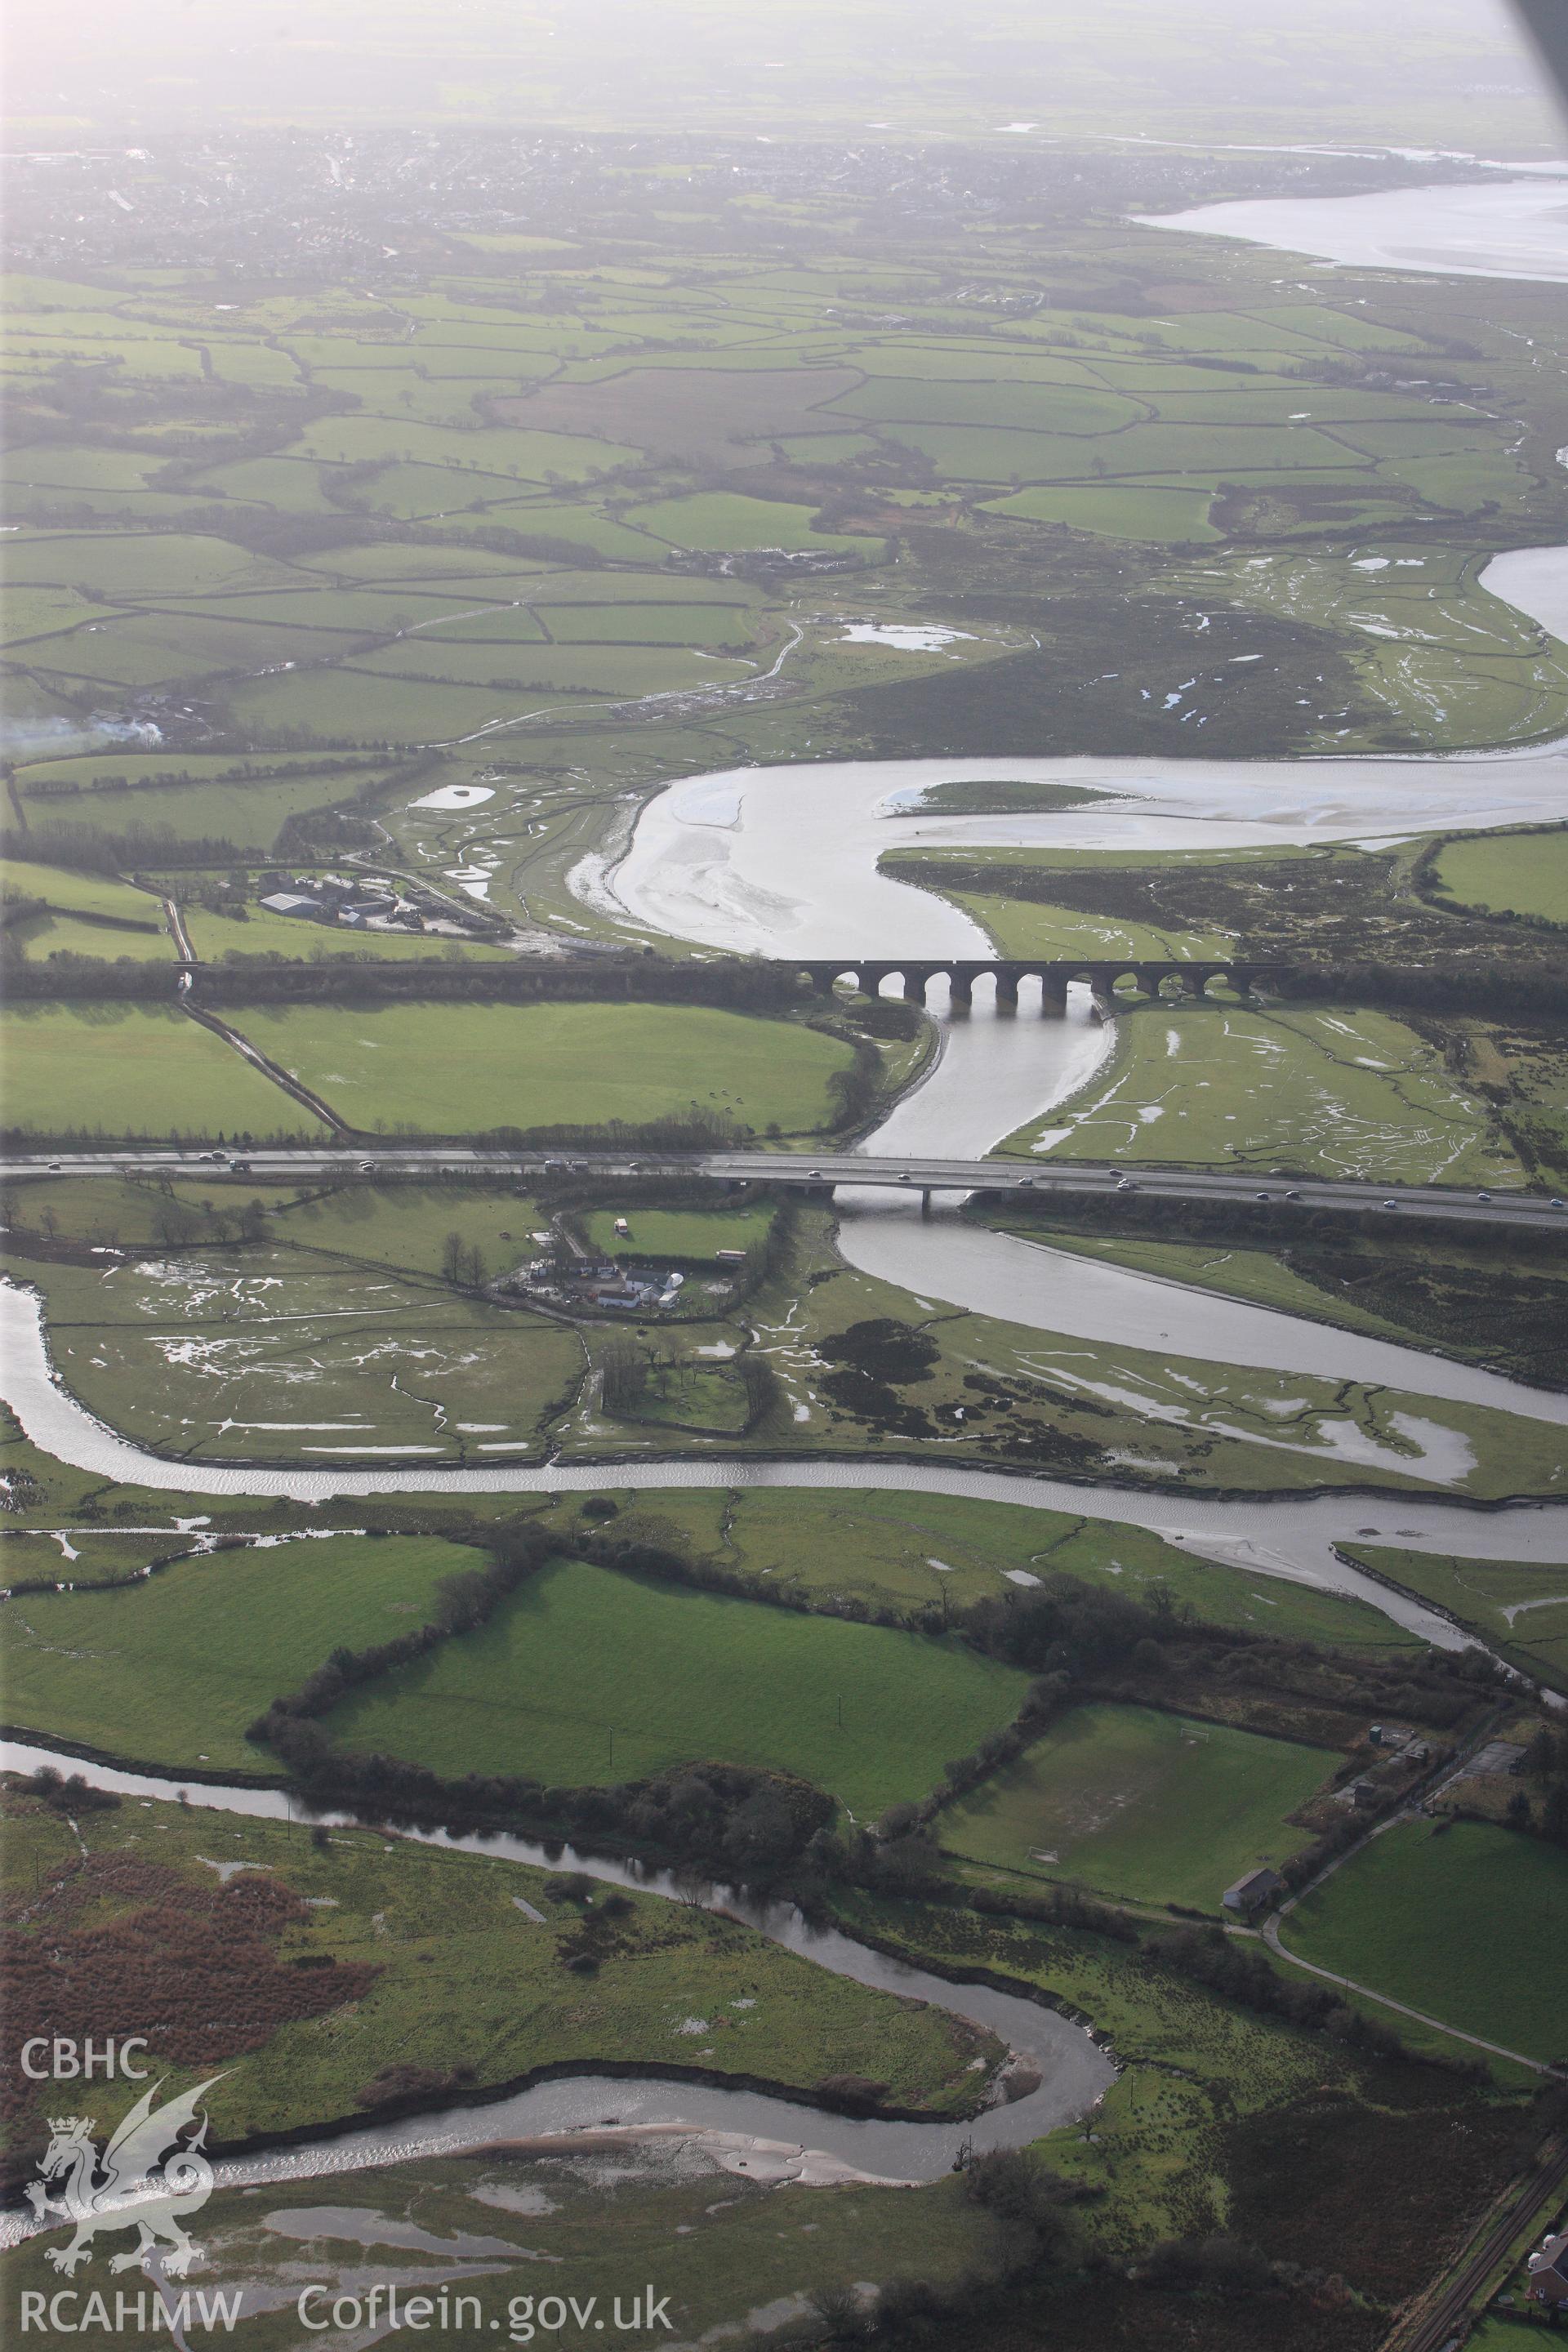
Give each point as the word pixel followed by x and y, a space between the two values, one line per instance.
pixel 144 2180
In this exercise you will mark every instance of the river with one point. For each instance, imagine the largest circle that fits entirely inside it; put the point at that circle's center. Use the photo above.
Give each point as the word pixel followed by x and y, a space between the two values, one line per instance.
pixel 734 860
pixel 737 861
pixel 762 2131
pixel 1490 228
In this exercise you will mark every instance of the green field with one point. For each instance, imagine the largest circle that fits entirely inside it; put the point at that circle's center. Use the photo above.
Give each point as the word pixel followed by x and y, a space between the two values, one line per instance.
pixel 1466 1923
pixel 588 669
pixel 65 892
pixel 171 1671
pixel 1147 1805
pixel 678 1236
pixel 931 1550
pixel 588 1676
pixel 81 914
pixel 118 1070
pixel 247 816
pixel 724 518
pixel 1152 511
pixel 407 1226
pixel 457 1069
pixel 1518 873
pixel 47 935
pixel 1340 1093
pixel 213 936
pixel 401 1225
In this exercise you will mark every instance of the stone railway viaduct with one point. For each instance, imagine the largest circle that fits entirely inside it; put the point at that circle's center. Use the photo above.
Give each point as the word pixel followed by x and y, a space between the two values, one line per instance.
pixel 916 975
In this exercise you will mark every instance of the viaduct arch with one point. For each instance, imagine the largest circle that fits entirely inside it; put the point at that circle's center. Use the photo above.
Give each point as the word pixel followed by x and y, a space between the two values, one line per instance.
pixel 1149 979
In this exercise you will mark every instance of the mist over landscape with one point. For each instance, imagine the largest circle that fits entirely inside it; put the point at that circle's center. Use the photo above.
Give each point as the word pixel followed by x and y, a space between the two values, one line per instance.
pixel 784 1135
pixel 1455 72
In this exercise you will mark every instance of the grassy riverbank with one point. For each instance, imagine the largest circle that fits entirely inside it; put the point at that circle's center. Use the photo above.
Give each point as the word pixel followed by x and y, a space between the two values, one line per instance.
pixel 320 1971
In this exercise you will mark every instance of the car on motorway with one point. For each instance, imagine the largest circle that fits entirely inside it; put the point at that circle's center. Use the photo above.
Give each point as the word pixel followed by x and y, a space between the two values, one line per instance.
pixel 904 1176
pixel 367 1167
pixel 1554 1202
pixel 1263 1196
pixel 1483 1196
pixel 1292 1196
pixel 54 1168
pixel 1391 1204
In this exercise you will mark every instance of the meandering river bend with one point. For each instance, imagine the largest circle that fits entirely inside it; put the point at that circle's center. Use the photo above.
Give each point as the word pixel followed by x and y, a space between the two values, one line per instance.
pixel 784 861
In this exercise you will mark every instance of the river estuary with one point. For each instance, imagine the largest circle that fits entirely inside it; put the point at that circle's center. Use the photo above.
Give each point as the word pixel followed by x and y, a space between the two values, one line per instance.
pixel 737 861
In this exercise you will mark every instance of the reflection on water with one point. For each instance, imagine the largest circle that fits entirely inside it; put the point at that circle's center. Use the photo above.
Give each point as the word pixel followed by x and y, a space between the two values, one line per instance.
pixel 1500 228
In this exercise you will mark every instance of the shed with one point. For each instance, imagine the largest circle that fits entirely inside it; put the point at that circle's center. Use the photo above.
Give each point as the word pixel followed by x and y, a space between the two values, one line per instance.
pixel 294 902
pixel 1253 1893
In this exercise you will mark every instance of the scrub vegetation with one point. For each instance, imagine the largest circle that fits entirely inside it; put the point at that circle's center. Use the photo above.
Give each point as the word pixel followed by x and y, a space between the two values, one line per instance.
pixel 424 1981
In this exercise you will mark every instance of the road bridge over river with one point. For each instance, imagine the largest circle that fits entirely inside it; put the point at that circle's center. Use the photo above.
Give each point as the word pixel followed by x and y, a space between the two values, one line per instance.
pixel 818 1174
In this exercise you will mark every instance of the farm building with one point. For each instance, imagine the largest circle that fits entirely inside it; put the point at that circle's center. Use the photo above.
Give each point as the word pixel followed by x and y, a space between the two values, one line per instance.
pixel 1548 2274
pixel 295 903
pixel 1253 1893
